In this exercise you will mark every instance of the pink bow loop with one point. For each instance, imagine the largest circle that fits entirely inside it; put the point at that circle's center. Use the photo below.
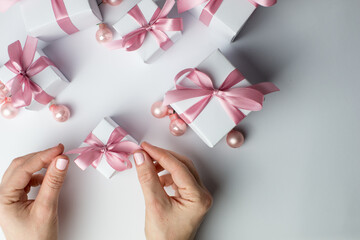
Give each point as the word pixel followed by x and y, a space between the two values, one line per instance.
pixel 158 24
pixel 21 62
pixel 231 98
pixel 116 151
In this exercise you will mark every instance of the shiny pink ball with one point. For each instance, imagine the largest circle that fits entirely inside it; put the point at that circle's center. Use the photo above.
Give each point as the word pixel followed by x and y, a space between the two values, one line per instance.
pixel 158 110
pixel 177 127
pixel 235 139
pixel 112 2
pixel 8 111
pixel 104 34
pixel 60 113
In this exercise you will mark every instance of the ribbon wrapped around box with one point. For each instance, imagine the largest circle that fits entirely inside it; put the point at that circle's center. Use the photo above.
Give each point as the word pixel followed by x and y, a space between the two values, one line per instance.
pixel 214 97
pixel 147 30
pixel 49 20
pixel 32 78
pixel 107 148
pixel 225 16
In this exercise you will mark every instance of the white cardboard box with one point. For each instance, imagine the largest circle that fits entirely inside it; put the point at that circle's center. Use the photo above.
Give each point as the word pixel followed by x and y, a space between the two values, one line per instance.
pixel 103 131
pixel 51 80
pixel 213 123
pixel 40 21
pixel 150 50
pixel 230 17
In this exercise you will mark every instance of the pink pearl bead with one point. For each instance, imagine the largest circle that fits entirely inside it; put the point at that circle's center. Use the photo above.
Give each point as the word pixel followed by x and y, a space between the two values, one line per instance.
pixel 158 110
pixel 104 34
pixel 8 111
pixel 177 126
pixel 112 2
pixel 60 113
pixel 235 139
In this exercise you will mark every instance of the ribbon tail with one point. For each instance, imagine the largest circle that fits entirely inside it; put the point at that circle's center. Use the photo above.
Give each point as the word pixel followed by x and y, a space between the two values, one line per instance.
pixel 193 112
pixel 40 95
pixel 21 93
pixel 265 87
pixel 235 114
pixel 86 159
pixel 117 161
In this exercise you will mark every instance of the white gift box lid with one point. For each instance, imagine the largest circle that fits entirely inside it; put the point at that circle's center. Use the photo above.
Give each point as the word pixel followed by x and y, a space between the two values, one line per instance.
pixel 150 50
pixel 103 132
pixel 40 21
pixel 51 80
pixel 213 123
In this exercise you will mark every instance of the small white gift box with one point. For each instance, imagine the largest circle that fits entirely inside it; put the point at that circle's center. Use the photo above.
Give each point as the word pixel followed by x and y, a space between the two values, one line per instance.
pixel 51 80
pixel 103 132
pixel 41 22
pixel 150 49
pixel 213 123
pixel 229 18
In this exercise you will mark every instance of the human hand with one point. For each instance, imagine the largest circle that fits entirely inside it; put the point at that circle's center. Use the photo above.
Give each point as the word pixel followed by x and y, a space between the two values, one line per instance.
pixel 177 217
pixel 36 219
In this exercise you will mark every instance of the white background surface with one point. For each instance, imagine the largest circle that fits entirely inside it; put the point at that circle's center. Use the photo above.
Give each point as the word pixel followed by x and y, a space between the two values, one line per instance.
pixel 296 177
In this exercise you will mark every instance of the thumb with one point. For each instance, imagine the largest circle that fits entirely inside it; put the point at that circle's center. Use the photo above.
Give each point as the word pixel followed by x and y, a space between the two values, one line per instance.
pixel 54 178
pixel 148 178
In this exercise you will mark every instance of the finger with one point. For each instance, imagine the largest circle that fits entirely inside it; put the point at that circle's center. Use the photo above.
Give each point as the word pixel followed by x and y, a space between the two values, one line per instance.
pixel 158 167
pixel 14 164
pixel 21 176
pixel 189 164
pixel 148 178
pixel 180 173
pixel 166 180
pixel 53 181
pixel 36 180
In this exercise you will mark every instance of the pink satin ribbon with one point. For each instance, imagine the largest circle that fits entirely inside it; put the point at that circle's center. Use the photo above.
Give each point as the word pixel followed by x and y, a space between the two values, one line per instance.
pixel 248 98
pixel 6 4
pixel 157 26
pixel 62 17
pixel 213 5
pixel 116 151
pixel 21 62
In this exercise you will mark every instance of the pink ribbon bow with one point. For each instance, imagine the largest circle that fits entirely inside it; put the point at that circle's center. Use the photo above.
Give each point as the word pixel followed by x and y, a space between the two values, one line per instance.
pixel 247 98
pixel 158 24
pixel 21 62
pixel 213 5
pixel 6 4
pixel 116 151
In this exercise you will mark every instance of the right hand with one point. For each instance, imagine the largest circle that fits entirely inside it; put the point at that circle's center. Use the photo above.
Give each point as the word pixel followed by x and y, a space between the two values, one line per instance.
pixel 177 217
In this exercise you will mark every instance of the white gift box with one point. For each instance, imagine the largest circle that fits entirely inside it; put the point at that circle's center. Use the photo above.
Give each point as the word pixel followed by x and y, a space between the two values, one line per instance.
pixel 40 20
pixel 103 131
pixel 51 80
pixel 213 123
pixel 150 50
pixel 229 18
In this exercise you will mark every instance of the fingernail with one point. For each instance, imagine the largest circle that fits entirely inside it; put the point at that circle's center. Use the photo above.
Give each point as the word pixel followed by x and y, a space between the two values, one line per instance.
pixel 139 158
pixel 61 164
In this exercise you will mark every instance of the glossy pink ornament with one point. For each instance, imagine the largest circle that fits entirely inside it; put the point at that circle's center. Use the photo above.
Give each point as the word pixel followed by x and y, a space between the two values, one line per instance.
pixel 158 110
pixel 112 2
pixel 104 34
pixel 8 111
pixel 61 113
pixel 177 125
pixel 235 139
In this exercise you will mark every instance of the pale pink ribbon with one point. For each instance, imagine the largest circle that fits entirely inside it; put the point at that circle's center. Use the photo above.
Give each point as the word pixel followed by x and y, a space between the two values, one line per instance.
pixel 21 62
pixel 116 151
pixel 62 17
pixel 6 4
pixel 213 5
pixel 158 24
pixel 231 98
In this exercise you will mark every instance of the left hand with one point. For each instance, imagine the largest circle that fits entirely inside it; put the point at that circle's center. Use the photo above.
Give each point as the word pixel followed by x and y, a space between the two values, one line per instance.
pixel 21 218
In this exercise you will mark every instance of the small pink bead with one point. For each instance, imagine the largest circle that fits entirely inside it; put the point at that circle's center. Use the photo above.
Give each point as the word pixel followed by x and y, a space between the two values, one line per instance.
pixel 158 110
pixel 104 34
pixel 8 111
pixel 177 127
pixel 112 2
pixel 61 113
pixel 235 139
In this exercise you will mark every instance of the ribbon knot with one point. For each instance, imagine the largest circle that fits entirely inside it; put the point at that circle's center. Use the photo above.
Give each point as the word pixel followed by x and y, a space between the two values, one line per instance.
pixel 231 98
pixel 157 26
pixel 21 62
pixel 116 151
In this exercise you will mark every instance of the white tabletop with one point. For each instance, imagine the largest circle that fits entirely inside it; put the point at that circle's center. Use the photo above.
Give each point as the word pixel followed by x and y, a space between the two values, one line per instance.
pixel 296 177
